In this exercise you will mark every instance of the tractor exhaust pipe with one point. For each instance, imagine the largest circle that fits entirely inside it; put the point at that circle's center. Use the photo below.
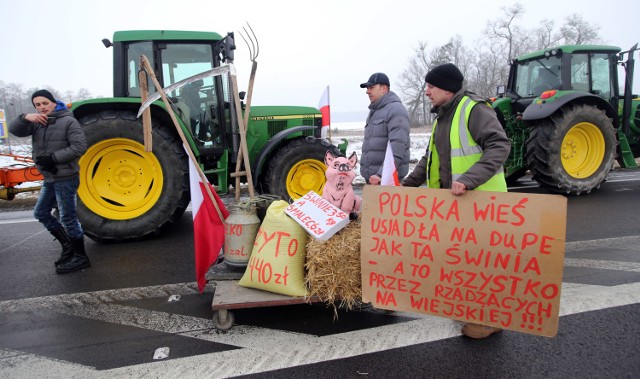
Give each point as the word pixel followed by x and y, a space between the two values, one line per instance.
pixel 628 84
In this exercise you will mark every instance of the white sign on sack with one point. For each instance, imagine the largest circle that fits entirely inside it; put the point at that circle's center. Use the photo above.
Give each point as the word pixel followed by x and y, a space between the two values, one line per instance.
pixel 317 216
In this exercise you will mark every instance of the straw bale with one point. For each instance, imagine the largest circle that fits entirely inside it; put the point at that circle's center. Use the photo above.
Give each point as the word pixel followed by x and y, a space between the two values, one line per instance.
pixel 333 268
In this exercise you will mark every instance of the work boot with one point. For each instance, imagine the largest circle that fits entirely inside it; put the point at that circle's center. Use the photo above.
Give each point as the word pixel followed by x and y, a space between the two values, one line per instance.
pixel 67 249
pixel 478 331
pixel 78 261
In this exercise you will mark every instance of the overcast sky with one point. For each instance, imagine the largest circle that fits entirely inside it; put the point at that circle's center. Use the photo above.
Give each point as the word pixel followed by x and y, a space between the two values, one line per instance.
pixel 304 45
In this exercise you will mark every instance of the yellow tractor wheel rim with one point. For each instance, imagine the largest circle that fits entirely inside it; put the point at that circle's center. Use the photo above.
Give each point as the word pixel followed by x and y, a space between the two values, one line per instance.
pixel 306 175
pixel 582 150
pixel 119 180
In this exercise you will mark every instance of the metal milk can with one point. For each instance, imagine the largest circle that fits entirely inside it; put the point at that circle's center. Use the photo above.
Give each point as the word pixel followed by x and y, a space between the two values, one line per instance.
pixel 241 228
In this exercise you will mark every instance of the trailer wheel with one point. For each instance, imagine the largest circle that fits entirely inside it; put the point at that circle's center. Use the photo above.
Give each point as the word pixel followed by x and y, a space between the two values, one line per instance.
pixel 297 168
pixel 573 151
pixel 223 319
pixel 126 193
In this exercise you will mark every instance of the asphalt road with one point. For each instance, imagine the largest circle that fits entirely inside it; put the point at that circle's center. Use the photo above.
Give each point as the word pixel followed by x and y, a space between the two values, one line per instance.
pixel 109 320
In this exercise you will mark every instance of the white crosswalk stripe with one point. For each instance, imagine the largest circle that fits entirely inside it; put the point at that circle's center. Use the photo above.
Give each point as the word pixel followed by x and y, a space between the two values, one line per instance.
pixel 265 349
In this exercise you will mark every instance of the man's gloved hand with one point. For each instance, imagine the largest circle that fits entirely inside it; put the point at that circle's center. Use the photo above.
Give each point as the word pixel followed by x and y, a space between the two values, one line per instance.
pixel 47 163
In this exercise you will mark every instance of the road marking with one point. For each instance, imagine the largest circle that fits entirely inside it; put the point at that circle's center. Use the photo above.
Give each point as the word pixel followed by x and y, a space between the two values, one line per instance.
pixel 18 221
pixel 21 241
pixel 605 265
pixel 265 349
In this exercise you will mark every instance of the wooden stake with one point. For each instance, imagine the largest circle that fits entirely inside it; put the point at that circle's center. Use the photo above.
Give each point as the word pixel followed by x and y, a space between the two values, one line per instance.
pixel 243 151
pixel 247 111
pixel 146 115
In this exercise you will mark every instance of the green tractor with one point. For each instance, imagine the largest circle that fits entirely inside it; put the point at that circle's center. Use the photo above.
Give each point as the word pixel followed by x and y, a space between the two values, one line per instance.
pixel 127 194
pixel 565 116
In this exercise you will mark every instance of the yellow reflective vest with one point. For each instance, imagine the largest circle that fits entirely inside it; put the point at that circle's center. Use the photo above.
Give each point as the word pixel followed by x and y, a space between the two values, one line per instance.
pixel 465 152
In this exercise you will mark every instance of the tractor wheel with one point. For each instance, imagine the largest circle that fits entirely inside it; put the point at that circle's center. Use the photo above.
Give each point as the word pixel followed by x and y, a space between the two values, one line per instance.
pixel 297 168
pixel 126 193
pixel 572 152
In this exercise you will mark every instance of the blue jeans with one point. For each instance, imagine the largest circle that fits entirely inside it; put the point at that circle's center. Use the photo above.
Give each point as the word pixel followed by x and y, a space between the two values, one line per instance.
pixel 62 195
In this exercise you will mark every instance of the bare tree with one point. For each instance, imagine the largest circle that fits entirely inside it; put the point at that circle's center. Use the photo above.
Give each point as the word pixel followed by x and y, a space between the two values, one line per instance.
pixel 505 31
pixel 83 94
pixel 68 96
pixel 576 31
pixel 411 85
pixel 16 100
pixel 487 65
pixel 544 37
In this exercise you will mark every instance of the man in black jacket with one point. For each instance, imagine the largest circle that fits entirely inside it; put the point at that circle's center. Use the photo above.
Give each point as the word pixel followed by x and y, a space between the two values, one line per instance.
pixel 58 142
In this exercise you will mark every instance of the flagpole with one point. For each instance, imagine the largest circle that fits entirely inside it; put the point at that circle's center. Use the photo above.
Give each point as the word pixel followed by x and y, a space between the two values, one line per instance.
pixel 329 102
pixel 144 62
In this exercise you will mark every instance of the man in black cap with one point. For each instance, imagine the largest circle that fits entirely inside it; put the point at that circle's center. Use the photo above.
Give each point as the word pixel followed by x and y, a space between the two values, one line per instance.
pixel 452 160
pixel 387 123
pixel 58 141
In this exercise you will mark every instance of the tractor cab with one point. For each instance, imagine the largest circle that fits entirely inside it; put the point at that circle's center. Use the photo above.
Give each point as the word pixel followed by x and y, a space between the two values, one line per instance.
pixel 203 105
pixel 582 68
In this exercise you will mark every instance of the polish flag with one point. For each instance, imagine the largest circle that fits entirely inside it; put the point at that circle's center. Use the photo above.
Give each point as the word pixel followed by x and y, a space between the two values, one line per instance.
pixel 324 108
pixel 389 172
pixel 208 229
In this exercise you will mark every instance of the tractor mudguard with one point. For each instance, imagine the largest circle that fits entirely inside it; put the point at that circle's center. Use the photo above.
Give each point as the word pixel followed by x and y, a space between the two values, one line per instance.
pixel 273 143
pixel 541 109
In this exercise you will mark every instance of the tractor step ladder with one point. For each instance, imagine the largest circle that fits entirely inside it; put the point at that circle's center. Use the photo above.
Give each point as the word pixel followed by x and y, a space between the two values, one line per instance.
pixel 628 159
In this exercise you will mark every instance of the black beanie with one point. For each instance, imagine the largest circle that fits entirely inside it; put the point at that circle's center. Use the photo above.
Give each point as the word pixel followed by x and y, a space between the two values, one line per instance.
pixel 43 93
pixel 446 77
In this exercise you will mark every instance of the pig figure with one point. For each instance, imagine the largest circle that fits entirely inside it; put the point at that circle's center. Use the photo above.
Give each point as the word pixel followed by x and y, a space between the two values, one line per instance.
pixel 338 189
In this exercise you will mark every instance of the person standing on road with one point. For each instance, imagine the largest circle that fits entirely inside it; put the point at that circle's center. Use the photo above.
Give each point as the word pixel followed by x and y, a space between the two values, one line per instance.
pixel 58 141
pixel 388 122
pixel 467 149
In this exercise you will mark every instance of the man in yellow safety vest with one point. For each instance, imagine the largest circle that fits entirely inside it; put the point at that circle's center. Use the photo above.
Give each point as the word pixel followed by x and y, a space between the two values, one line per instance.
pixel 467 149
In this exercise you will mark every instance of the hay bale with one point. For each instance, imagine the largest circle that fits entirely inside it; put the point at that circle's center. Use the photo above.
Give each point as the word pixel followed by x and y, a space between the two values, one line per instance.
pixel 333 268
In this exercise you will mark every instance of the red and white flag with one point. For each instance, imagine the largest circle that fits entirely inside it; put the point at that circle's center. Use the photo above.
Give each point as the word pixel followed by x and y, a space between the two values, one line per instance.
pixel 208 228
pixel 325 109
pixel 389 171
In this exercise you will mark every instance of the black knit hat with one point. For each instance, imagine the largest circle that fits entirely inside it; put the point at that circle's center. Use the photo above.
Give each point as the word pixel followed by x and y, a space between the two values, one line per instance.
pixel 446 77
pixel 43 93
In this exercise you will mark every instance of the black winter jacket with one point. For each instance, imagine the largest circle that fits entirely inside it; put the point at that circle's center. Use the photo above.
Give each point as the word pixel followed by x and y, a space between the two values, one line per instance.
pixel 64 139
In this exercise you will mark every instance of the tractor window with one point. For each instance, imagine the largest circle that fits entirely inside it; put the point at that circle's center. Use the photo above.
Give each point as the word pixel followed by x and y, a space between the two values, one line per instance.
pixel 600 75
pixel 135 50
pixel 537 76
pixel 196 101
pixel 580 72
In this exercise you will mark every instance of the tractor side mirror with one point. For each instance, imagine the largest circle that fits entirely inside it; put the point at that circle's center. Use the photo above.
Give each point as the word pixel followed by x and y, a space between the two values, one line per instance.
pixel 501 90
pixel 229 47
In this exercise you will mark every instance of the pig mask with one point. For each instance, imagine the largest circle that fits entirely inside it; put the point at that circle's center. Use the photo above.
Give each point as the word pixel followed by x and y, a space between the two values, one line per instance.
pixel 338 189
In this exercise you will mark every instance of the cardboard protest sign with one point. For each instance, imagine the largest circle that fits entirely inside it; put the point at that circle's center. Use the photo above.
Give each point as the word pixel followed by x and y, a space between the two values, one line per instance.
pixel 485 257
pixel 317 216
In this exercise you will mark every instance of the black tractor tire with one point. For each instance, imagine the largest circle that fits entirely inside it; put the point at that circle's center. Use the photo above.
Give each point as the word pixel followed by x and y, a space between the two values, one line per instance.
pixel 572 151
pixel 296 168
pixel 126 193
